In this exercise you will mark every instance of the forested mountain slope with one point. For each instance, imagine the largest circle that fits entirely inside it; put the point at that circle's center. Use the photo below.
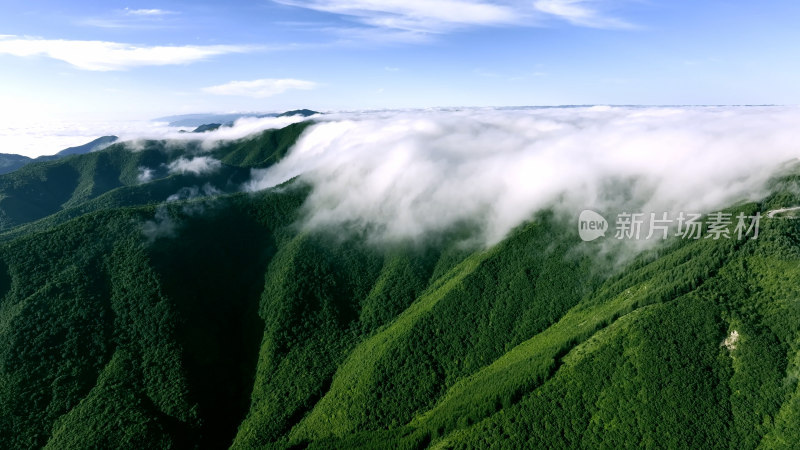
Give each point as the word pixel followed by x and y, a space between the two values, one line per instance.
pixel 157 312
pixel 133 174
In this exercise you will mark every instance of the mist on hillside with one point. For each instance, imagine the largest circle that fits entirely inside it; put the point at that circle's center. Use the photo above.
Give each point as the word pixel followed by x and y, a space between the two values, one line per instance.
pixel 402 174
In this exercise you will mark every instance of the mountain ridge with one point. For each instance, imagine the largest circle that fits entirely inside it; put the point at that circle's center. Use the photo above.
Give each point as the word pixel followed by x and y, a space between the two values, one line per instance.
pixel 10 162
pixel 196 120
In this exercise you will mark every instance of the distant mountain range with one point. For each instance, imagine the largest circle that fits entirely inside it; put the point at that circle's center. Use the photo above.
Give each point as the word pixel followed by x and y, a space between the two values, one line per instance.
pixel 196 120
pixel 97 144
pixel 207 127
pixel 10 162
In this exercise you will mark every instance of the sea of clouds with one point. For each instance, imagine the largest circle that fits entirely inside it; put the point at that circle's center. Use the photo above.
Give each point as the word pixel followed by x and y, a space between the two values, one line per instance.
pixel 403 174
pixel 240 129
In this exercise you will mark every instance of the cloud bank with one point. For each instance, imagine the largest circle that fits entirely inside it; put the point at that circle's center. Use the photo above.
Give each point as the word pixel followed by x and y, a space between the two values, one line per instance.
pixel 134 138
pixel 109 56
pixel 46 136
pixel 404 174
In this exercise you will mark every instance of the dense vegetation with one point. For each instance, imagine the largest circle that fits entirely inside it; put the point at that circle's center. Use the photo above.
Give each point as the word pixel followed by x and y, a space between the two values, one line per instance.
pixel 131 317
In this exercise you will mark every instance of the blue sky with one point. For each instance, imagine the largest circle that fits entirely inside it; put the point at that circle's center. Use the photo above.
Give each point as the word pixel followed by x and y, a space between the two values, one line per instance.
pixel 144 59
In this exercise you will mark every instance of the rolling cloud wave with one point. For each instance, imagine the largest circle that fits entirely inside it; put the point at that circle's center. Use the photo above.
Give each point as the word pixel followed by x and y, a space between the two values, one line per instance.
pixel 404 174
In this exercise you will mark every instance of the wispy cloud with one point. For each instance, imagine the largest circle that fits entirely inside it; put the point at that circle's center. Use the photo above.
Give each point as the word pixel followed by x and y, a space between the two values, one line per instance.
pixel 262 88
pixel 162 226
pixel 148 12
pixel 133 18
pixel 145 175
pixel 115 23
pixel 359 35
pixel 196 166
pixel 414 15
pixel 426 17
pixel 578 12
pixel 108 56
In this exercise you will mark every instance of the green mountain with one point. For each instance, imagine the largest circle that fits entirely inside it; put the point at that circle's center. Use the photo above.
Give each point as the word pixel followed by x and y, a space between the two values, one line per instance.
pixel 298 112
pixel 74 185
pixel 142 306
pixel 207 127
pixel 97 144
pixel 10 162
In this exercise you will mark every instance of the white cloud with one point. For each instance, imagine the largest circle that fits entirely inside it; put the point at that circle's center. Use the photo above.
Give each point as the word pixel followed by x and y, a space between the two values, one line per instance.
pixel 162 226
pixel 425 16
pixel 414 14
pixel 373 35
pixel 145 175
pixel 247 126
pixel 148 12
pixel 107 56
pixel 577 12
pixel 132 18
pixel 263 88
pixel 193 192
pixel 27 129
pixel 198 165
pixel 134 137
pixel 405 174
